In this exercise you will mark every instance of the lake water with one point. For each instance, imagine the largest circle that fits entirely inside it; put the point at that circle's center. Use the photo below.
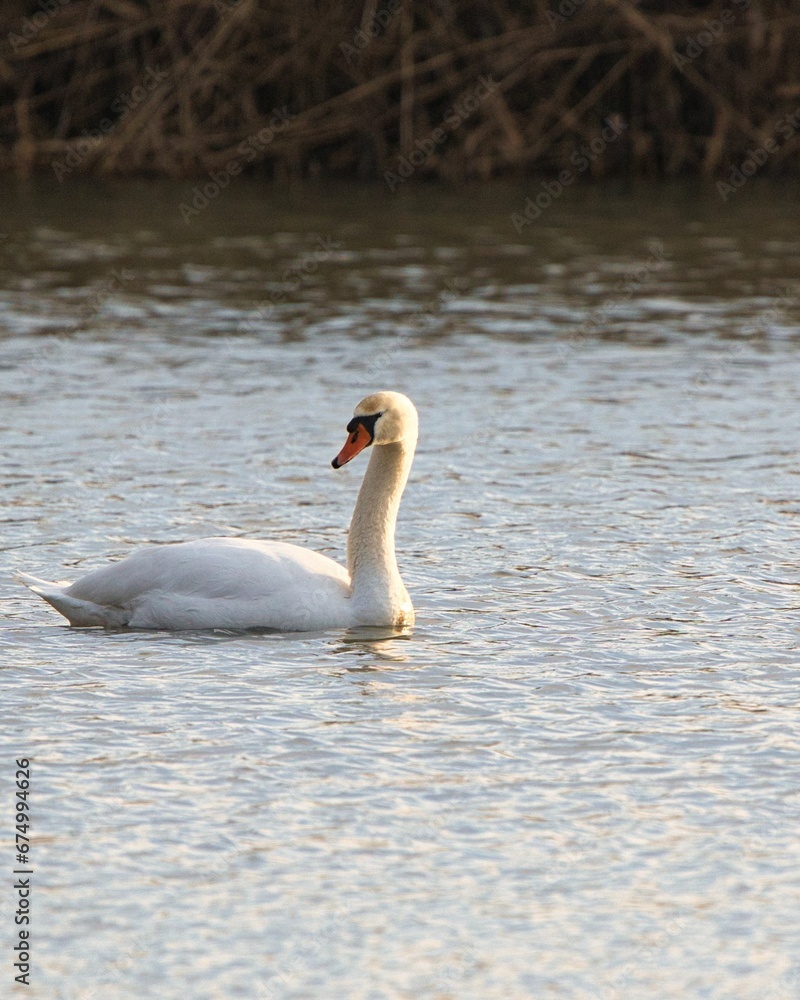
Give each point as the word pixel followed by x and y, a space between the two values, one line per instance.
pixel 577 776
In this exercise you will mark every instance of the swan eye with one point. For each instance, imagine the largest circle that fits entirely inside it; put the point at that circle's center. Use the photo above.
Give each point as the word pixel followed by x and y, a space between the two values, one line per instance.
pixel 367 422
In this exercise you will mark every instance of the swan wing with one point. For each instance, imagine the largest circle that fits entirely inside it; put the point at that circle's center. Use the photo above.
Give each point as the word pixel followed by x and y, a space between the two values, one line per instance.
pixel 210 583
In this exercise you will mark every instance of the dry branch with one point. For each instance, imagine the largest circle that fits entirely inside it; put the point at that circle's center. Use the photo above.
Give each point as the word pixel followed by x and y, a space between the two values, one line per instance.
pixel 358 84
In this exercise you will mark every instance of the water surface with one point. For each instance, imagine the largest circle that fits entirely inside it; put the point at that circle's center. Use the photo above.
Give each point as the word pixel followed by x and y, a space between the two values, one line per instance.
pixel 576 776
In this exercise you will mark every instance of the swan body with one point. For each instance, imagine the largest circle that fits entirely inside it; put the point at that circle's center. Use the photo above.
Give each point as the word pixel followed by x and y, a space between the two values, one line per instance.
pixel 238 583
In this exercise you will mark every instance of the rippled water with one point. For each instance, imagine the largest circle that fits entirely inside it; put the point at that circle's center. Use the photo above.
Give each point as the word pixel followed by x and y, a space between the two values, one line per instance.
pixel 577 776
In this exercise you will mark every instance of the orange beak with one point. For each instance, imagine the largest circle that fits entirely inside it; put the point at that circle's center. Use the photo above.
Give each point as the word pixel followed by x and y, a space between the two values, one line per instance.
pixel 357 442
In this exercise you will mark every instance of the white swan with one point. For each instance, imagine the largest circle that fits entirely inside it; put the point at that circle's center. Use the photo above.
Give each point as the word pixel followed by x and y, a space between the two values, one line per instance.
pixel 236 583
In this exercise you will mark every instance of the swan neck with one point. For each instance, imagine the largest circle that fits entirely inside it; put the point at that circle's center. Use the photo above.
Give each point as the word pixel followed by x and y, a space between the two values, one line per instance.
pixel 371 556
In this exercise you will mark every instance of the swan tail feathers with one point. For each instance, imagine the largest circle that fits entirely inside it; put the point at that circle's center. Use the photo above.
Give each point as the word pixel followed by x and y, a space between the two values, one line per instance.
pixel 76 611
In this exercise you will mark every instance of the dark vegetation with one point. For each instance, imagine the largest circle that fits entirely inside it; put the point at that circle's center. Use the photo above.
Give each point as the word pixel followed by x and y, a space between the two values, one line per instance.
pixel 455 89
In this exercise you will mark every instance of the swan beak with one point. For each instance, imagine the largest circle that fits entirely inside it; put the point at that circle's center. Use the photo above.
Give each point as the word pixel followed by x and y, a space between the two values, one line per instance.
pixel 357 442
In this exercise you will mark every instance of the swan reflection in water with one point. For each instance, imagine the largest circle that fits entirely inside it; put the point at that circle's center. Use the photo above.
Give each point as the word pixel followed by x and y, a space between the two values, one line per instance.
pixel 385 644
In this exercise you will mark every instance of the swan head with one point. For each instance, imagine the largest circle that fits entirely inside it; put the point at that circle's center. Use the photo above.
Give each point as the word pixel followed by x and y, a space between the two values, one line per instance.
pixel 382 418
